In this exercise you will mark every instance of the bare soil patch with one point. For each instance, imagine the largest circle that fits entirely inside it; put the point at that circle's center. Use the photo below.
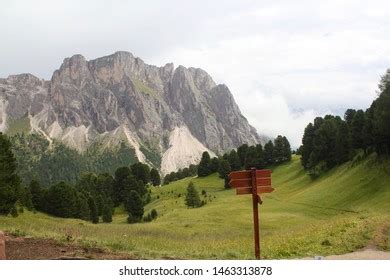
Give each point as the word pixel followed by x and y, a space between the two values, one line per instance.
pixel 26 248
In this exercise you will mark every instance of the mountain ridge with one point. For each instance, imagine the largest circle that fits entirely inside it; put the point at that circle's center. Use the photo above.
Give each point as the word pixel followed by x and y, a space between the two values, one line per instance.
pixel 159 109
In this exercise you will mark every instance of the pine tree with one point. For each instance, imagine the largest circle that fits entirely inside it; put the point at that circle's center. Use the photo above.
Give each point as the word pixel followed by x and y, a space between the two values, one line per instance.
pixel 9 180
pixel 121 175
pixel 107 213
pixel 342 143
pixel 250 159
pixel 324 143
pixel 279 149
pixel 99 204
pixel 83 210
pixel 155 177
pixel 223 171
pixel 259 157
pixel 36 195
pixel 381 122
pixel 356 128
pixel 286 149
pixel 134 206
pixel 131 184
pixel 105 183
pixel 214 165
pixel 204 165
pixel 94 217
pixel 307 145
pixel 242 151
pixel 368 129
pixel 62 201
pixel 186 172
pixel 234 160
pixel 192 198
pixel 269 152
pixel 167 179
pixel 141 172
pixel 348 116
pixel 192 170
pixel 26 198
pixel 88 182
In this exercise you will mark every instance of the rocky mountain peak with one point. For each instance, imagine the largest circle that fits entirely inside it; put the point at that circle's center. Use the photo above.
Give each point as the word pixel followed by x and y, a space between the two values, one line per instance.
pixel 25 79
pixel 74 70
pixel 202 79
pixel 168 116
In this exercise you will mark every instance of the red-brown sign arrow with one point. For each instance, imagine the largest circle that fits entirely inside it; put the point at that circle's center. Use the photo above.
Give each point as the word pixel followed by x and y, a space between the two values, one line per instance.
pixel 242 183
pixel 260 190
pixel 247 174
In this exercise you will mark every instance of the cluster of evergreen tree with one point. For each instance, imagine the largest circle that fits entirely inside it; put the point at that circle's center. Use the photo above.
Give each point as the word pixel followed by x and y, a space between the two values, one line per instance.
pixel 181 173
pixel 246 157
pixel 9 180
pixel 131 191
pixel 90 197
pixel 330 141
pixel 94 196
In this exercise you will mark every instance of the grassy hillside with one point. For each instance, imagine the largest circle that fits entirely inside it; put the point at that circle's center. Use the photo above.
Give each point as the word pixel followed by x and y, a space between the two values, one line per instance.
pixel 342 211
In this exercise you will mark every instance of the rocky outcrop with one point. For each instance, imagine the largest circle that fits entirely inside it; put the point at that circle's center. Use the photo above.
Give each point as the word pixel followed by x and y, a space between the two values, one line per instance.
pixel 173 114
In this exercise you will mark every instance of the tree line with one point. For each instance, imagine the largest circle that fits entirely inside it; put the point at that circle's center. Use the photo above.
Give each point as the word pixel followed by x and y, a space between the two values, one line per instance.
pixel 91 197
pixel 331 140
pixel 180 174
pixel 245 157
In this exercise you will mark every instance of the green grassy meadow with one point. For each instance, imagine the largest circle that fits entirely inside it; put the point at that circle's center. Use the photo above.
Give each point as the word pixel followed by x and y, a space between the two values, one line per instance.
pixel 342 211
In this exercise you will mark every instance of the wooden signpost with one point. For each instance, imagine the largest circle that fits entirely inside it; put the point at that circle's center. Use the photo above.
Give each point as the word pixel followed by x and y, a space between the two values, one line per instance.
pixel 253 182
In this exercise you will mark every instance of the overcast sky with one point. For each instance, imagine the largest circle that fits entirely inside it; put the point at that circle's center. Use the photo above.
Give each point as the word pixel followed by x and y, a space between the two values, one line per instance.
pixel 284 61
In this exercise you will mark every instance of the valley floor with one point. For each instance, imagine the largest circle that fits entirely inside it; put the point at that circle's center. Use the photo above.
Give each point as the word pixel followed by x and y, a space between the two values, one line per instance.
pixel 343 211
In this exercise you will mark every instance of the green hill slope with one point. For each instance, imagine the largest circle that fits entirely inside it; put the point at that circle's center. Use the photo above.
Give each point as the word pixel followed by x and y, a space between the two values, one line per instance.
pixel 342 211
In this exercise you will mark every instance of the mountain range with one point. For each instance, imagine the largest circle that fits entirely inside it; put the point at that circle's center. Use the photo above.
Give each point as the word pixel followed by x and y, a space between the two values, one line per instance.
pixel 168 115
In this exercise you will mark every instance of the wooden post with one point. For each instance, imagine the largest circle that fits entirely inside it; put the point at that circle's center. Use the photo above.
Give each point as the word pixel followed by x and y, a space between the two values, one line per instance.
pixel 2 246
pixel 255 214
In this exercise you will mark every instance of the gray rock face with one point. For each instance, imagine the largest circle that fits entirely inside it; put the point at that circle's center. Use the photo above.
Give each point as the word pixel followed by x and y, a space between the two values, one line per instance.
pixel 154 108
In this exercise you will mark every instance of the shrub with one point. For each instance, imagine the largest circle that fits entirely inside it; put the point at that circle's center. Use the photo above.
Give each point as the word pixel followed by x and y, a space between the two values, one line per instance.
pixel 192 197
pixel 153 214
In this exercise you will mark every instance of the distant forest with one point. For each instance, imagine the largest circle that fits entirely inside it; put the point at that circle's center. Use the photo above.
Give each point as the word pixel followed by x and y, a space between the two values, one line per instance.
pixel 37 159
pixel 245 157
pixel 331 140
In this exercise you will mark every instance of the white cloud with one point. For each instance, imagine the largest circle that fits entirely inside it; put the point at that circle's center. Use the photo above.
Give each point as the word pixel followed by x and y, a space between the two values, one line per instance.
pixel 271 115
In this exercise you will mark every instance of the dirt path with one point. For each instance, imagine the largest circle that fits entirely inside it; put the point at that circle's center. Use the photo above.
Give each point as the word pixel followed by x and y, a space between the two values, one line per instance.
pixel 368 253
pixel 21 248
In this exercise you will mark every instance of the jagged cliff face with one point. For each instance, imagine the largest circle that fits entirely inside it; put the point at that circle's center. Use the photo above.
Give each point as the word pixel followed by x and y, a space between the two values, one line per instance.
pixel 162 112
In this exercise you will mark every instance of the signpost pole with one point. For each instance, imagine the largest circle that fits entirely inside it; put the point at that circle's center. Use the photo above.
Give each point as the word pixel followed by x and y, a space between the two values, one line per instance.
pixel 255 214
